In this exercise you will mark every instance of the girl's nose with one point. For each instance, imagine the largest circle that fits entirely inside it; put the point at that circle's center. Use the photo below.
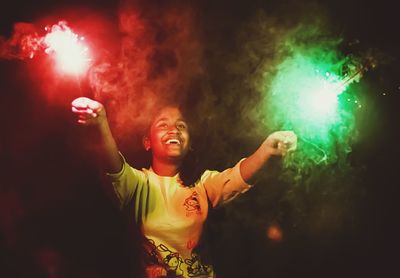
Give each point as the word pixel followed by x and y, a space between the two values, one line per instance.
pixel 173 129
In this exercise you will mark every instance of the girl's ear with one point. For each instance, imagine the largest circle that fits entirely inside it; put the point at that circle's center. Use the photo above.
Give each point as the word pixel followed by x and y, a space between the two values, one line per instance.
pixel 146 143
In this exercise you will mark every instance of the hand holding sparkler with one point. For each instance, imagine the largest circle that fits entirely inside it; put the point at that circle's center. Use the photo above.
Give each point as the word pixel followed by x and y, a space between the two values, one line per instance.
pixel 90 112
pixel 93 113
pixel 280 143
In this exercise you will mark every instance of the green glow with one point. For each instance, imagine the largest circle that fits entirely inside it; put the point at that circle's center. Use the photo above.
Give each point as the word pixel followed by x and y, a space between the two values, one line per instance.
pixel 310 95
pixel 305 98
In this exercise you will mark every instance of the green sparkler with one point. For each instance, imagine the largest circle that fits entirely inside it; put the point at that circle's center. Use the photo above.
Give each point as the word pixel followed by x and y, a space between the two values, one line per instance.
pixel 310 96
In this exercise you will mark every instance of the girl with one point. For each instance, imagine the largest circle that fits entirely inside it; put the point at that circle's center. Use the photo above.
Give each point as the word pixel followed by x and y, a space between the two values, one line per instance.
pixel 171 213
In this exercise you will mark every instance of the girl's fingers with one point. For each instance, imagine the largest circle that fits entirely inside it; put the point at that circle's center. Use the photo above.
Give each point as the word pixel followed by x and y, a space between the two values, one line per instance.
pixel 85 112
pixel 79 111
pixel 88 111
pixel 94 105
pixel 284 142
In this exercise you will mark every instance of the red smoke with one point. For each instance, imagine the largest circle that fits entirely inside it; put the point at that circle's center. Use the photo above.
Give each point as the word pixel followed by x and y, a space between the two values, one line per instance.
pixel 146 58
pixel 160 55
pixel 23 44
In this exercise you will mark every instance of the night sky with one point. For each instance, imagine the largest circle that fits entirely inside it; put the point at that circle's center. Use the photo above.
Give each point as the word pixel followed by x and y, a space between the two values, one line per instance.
pixel 57 219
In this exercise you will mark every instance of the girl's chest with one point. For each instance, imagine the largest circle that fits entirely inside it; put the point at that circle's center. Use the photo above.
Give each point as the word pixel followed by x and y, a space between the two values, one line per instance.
pixel 177 205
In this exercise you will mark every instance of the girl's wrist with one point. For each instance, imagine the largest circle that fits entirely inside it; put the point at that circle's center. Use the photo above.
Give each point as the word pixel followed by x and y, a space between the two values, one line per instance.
pixel 104 128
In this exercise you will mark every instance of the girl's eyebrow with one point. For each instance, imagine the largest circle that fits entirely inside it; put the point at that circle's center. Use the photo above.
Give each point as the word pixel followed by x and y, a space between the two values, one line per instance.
pixel 161 119
pixel 166 119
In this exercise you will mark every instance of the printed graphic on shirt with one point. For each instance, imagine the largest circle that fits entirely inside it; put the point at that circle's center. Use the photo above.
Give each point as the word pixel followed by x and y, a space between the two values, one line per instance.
pixel 155 271
pixel 196 269
pixel 192 204
pixel 191 244
pixel 164 261
pixel 161 257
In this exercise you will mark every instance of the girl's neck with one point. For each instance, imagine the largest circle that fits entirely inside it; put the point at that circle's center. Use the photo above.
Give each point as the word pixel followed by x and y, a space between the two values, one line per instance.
pixel 165 168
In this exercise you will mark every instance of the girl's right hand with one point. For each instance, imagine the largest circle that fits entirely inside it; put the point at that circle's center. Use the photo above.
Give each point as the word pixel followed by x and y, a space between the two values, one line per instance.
pixel 89 111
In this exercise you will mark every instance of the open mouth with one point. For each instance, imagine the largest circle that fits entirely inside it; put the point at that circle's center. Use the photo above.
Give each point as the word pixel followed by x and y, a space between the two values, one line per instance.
pixel 173 141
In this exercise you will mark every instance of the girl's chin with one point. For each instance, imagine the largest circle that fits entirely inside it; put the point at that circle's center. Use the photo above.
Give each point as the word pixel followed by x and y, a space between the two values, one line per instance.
pixel 175 155
pixel 178 155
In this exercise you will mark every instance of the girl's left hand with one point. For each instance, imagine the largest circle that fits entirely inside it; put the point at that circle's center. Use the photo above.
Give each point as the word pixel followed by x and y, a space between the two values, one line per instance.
pixel 280 143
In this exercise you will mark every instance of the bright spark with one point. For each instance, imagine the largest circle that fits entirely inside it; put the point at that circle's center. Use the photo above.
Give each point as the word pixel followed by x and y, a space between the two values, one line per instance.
pixel 67 48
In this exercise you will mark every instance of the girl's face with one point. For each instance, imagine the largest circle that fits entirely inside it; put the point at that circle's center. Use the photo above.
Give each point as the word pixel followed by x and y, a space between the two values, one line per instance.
pixel 169 135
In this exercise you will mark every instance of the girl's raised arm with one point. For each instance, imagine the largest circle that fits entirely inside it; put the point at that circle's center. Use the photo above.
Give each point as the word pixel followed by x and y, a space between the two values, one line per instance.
pixel 277 144
pixel 93 113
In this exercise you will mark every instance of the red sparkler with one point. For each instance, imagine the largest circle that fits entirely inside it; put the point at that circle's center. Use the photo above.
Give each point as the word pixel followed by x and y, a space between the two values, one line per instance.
pixel 67 48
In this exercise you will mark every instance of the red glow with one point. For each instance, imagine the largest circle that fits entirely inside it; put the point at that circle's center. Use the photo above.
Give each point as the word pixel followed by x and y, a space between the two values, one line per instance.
pixel 67 48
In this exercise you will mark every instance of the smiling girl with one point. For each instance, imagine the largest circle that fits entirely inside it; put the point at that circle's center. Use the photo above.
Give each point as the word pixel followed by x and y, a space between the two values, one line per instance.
pixel 170 212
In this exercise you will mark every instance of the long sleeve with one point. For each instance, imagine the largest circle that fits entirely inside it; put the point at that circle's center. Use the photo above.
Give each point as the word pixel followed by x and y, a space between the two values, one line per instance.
pixel 127 183
pixel 222 187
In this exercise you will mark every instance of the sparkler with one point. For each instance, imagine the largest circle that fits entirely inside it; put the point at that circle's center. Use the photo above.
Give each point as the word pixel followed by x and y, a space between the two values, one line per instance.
pixel 67 48
pixel 69 55
pixel 369 63
pixel 310 96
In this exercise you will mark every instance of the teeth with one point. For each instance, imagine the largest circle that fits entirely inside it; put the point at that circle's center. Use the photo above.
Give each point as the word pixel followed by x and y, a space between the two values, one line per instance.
pixel 173 141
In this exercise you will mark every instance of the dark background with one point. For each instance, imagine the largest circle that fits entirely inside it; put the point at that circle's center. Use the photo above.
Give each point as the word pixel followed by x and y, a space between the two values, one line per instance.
pixel 57 221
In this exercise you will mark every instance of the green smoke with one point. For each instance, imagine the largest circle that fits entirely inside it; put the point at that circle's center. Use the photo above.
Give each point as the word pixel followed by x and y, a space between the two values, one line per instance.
pixel 311 95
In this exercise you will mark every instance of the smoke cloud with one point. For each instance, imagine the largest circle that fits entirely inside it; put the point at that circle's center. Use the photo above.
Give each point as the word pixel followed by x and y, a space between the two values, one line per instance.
pixel 172 53
pixel 220 60
pixel 23 44
pixel 160 55
pixel 242 66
